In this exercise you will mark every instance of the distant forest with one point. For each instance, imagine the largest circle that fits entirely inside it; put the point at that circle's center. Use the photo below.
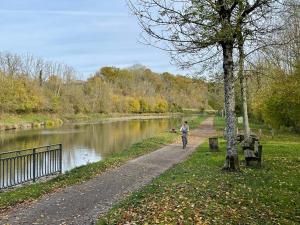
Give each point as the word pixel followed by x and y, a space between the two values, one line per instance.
pixel 30 84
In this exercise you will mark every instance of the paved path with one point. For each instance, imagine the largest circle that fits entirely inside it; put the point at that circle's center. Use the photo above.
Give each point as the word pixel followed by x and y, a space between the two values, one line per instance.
pixel 83 203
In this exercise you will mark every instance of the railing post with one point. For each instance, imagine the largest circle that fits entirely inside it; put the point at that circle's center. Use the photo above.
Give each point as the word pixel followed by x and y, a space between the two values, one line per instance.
pixel 17 167
pixel 60 158
pixel 33 164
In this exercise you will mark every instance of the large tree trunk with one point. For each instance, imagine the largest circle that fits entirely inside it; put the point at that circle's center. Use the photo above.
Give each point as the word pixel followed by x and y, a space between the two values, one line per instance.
pixel 232 162
pixel 243 89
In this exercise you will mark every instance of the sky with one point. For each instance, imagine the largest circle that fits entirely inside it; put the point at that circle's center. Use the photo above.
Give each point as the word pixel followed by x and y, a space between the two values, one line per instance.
pixel 85 34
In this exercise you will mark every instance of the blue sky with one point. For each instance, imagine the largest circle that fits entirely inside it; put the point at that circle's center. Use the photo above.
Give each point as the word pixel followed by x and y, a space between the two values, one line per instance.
pixel 85 34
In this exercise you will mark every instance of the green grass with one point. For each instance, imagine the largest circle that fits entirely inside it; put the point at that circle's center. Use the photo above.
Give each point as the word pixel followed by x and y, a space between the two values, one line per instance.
pixel 219 123
pixel 255 126
pixel 195 122
pixel 90 117
pixel 84 173
pixel 17 119
pixel 198 192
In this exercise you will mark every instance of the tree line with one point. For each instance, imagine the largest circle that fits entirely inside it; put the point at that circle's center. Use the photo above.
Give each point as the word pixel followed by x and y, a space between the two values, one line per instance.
pixel 30 84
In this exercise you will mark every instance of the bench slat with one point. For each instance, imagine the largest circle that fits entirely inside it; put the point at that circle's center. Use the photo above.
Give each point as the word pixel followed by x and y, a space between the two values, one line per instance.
pixel 249 153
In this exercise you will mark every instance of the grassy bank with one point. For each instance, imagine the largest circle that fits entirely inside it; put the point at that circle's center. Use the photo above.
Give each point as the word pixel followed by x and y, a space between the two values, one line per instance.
pixel 83 173
pixel 16 119
pixel 102 117
pixel 19 121
pixel 197 192
pixel 36 120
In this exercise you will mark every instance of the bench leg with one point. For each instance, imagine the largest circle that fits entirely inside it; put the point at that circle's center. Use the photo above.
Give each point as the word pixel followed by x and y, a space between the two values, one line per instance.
pixel 259 162
pixel 247 162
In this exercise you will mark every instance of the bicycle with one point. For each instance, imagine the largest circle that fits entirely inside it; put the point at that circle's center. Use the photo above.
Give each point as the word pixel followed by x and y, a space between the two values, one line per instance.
pixel 184 129
pixel 184 141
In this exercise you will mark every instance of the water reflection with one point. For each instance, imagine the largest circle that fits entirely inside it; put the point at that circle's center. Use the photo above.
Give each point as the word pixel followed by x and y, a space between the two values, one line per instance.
pixel 87 142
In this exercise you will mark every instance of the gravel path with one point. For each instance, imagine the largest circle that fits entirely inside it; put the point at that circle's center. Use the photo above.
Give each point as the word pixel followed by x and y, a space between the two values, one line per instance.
pixel 83 203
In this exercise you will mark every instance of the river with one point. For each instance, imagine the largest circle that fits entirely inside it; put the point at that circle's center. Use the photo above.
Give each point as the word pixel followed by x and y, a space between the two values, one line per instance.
pixel 86 143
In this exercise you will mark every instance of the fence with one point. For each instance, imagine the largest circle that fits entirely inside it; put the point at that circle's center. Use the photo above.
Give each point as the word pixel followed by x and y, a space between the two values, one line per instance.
pixel 18 167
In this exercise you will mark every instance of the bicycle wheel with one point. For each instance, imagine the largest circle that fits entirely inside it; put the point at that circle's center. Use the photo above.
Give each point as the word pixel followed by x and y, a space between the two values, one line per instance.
pixel 184 142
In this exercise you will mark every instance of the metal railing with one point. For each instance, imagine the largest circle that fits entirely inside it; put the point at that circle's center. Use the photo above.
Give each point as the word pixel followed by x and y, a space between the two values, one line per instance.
pixel 17 167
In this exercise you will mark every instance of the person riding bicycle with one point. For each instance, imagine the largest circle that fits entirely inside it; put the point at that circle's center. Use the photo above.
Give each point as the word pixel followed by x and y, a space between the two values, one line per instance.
pixel 184 133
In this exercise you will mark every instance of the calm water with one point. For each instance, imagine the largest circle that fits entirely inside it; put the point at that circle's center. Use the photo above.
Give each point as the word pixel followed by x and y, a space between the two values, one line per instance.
pixel 86 143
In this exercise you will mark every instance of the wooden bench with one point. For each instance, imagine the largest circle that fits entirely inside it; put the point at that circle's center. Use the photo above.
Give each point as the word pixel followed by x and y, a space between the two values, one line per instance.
pixel 240 138
pixel 253 155
pixel 252 150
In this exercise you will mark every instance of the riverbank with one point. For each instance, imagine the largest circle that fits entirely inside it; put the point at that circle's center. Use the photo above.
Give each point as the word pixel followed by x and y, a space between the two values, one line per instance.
pixel 198 192
pixel 83 173
pixel 31 121
pixel 28 121
pixel 92 118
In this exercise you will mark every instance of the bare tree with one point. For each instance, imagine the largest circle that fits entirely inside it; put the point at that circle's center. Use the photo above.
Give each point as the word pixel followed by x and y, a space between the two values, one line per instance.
pixel 199 31
pixel 263 31
pixel 253 29
pixel 286 51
